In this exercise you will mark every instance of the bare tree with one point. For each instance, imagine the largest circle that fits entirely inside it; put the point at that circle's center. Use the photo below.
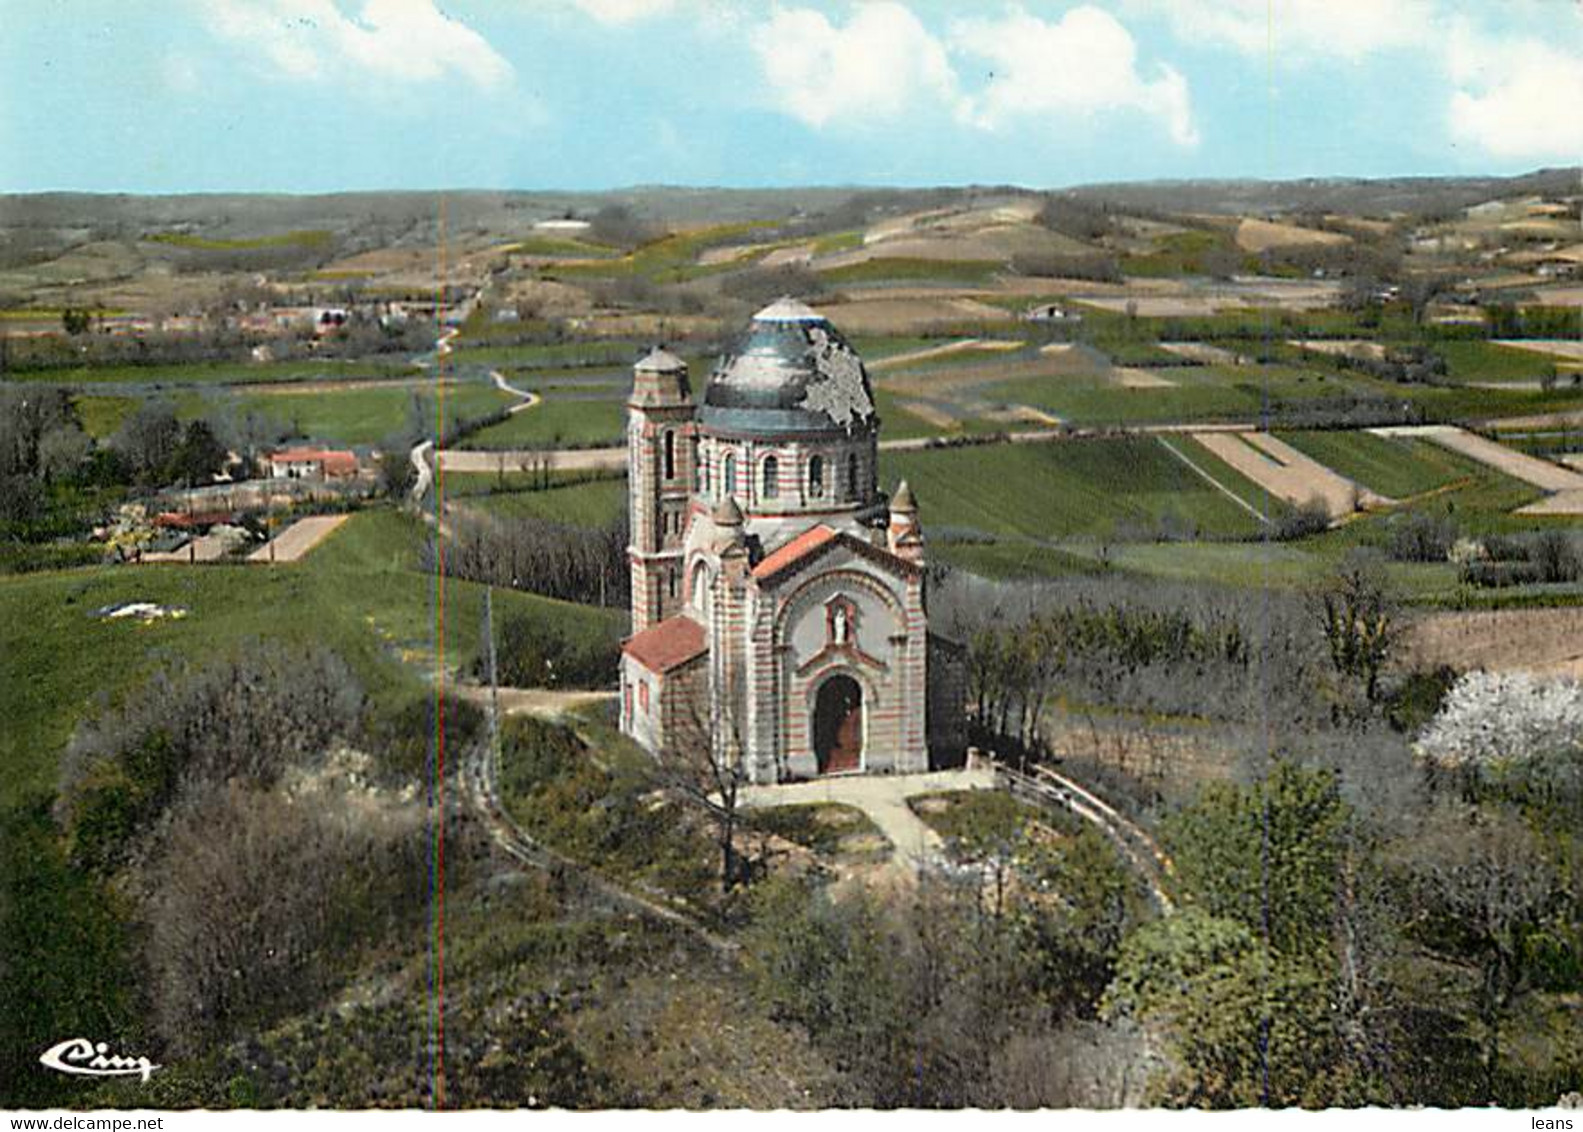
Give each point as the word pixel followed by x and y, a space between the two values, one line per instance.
pixel 1361 623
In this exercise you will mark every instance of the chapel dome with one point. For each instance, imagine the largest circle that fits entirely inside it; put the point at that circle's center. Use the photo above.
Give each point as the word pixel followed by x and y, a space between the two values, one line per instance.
pixel 792 372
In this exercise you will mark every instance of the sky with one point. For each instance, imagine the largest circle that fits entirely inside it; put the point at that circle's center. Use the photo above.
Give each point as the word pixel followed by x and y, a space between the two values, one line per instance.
pixel 323 95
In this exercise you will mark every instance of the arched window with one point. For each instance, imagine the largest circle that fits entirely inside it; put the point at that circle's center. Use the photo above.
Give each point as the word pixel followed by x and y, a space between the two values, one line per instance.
pixel 770 486
pixel 670 455
pixel 816 476
pixel 851 475
pixel 700 480
pixel 728 475
pixel 700 595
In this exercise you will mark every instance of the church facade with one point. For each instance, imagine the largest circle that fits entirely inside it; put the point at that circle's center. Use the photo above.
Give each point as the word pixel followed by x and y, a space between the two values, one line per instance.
pixel 778 606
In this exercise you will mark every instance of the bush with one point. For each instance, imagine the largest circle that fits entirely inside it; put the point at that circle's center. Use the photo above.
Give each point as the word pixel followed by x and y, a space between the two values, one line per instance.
pixel 1497 575
pixel 1555 555
pixel 1422 538
pixel 538 652
pixel 245 719
pixel 1311 518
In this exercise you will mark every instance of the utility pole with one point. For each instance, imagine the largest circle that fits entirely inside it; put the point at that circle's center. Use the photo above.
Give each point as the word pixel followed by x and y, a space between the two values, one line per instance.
pixel 494 673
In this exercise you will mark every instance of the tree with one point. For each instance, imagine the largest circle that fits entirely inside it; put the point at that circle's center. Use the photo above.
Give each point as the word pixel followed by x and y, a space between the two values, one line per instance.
pixel 199 455
pixel 1360 621
pixel 396 473
pixel 147 440
pixel 62 450
pixel 1491 719
pixel 1484 894
pixel 75 321
pixel 1267 855
pixel 1242 1029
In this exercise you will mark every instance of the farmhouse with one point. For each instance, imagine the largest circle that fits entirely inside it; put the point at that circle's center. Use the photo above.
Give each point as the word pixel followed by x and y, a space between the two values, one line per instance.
pixel 778 609
pixel 312 464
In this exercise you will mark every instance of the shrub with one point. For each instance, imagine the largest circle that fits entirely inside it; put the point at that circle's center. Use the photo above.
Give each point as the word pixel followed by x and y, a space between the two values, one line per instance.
pixel 1422 538
pixel 244 719
pixel 1311 518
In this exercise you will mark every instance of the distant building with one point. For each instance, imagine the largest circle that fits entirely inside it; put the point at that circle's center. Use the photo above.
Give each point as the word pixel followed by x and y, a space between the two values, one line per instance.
pixel 562 225
pixel 777 597
pixel 312 464
pixel 1052 312
pixel 331 319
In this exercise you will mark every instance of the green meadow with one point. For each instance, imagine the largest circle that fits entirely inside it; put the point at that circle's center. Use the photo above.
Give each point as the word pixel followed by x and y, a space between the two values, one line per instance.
pixel 360 594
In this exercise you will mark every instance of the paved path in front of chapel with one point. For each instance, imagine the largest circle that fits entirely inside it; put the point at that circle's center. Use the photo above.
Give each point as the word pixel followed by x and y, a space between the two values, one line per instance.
pixel 883 797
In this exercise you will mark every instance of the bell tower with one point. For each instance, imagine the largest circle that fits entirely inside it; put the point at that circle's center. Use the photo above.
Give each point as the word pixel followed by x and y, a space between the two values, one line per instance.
pixel 661 452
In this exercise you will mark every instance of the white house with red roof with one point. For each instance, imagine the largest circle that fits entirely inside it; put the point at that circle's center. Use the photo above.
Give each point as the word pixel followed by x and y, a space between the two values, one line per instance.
pixel 778 610
pixel 312 464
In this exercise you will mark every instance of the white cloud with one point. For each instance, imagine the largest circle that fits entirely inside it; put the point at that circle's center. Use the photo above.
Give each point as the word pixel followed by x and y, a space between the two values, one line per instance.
pixel 1518 98
pixel 881 64
pixel 389 41
pixel 1300 30
pixel 1083 64
pixel 618 12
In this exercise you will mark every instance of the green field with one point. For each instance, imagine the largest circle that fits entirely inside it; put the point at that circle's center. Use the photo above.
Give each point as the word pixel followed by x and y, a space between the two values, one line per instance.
pixel 224 373
pixel 304 237
pixel 553 355
pixel 556 424
pixel 99 415
pixel 901 268
pixel 585 504
pixel 359 594
pixel 1061 489
pixel 1397 467
pixel 353 416
pixel 1201 393
pixel 368 415
pixel 1489 361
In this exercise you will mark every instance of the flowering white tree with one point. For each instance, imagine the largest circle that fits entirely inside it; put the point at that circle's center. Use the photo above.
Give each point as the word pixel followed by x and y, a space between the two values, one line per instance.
pixel 1490 718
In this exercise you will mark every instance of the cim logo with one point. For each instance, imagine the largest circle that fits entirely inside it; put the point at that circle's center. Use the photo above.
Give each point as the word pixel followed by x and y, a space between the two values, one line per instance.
pixel 83 1058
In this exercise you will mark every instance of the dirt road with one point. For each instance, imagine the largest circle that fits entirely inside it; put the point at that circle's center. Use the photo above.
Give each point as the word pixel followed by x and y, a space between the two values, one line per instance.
pixel 297 539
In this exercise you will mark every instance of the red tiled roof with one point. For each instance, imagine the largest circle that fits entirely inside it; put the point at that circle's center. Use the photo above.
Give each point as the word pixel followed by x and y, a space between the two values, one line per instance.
pixel 667 644
pixel 804 544
pixel 333 460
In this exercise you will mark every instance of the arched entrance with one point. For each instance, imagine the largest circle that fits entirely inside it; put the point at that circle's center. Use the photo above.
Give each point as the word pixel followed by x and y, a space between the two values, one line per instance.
pixel 838 725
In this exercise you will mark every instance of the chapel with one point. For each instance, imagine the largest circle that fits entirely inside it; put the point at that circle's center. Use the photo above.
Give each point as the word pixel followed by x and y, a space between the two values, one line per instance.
pixel 778 598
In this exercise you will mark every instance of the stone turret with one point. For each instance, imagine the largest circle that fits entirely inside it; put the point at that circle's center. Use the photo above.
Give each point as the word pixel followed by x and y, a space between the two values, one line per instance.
pixel 661 452
pixel 904 535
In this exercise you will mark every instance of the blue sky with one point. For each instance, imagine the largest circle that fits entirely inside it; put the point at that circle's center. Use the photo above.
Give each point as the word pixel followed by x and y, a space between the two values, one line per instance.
pixel 322 95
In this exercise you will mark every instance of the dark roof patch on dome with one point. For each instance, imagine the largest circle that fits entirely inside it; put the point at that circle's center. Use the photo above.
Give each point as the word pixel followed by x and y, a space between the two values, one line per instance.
pixel 792 372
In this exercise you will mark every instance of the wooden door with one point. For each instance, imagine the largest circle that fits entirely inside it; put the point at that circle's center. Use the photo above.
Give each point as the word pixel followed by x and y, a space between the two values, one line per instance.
pixel 838 726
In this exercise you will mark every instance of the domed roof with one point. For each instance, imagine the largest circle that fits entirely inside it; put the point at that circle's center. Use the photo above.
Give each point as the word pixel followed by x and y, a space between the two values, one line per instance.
pixel 791 372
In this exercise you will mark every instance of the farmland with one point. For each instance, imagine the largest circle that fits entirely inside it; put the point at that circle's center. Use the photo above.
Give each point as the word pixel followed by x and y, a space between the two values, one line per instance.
pixel 1398 467
pixel 1098 488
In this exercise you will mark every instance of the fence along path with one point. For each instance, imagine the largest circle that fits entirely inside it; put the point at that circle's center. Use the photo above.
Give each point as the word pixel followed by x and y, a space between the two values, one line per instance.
pixel 481 783
pixel 1045 787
